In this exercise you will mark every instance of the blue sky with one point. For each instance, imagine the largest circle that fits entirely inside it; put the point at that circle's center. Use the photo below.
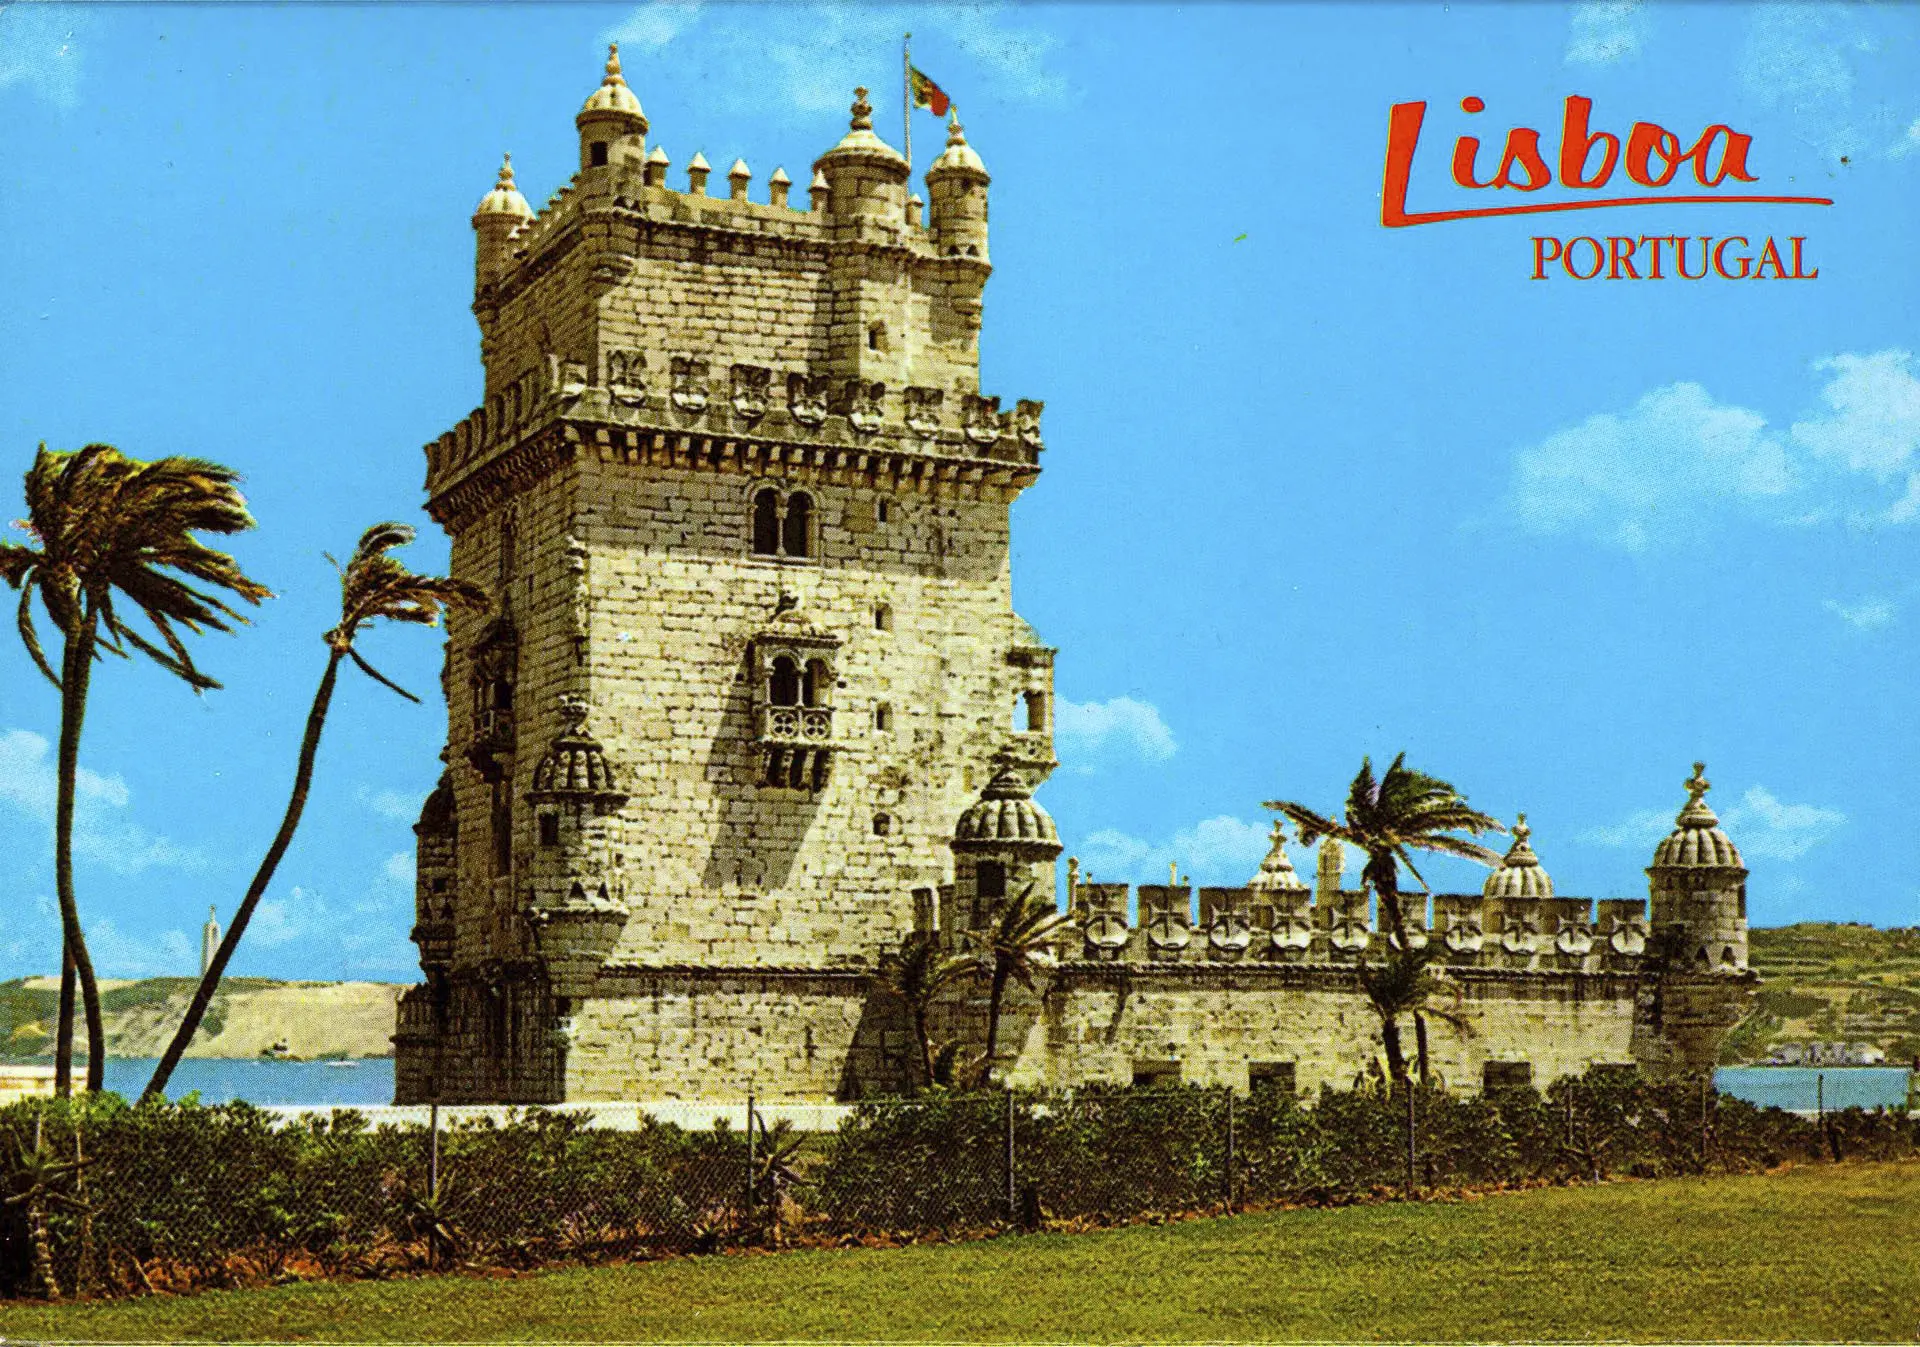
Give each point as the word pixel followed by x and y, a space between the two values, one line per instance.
pixel 1314 488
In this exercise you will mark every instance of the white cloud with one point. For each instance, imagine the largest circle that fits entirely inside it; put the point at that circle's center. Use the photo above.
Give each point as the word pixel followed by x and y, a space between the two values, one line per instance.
pixel 654 25
pixel 1218 850
pixel 782 59
pixel 38 50
pixel 118 955
pixel 1867 615
pixel 399 869
pixel 1676 458
pixel 1641 829
pixel 1605 31
pixel 1908 143
pixel 1810 59
pixel 1761 825
pixel 1087 729
pixel 390 804
pixel 1872 420
pixel 28 782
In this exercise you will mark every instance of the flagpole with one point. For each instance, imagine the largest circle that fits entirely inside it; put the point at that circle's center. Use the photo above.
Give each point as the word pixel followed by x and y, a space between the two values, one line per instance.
pixel 906 101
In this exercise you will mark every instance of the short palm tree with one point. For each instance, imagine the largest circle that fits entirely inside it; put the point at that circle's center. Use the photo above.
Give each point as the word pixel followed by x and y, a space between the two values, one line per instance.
pixel 1389 819
pixel 917 975
pixel 372 585
pixel 1017 942
pixel 108 524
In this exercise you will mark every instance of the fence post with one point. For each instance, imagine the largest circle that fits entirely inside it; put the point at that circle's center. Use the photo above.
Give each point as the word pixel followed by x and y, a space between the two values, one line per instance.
pixel 752 1158
pixel 1706 1086
pixel 433 1149
pixel 1013 1204
pixel 1230 1140
pixel 1572 1085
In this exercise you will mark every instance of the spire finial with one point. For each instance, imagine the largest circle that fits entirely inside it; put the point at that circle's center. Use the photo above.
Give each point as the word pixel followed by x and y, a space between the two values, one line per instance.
pixel 956 133
pixel 1697 784
pixel 1521 832
pixel 613 64
pixel 506 171
pixel 862 111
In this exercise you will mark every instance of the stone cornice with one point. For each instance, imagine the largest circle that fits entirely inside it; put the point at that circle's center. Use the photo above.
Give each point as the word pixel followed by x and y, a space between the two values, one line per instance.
pixel 1620 985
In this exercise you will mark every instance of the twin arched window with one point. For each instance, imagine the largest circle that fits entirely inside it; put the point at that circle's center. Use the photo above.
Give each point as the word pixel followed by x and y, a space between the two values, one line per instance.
pixel 789 684
pixel 782 532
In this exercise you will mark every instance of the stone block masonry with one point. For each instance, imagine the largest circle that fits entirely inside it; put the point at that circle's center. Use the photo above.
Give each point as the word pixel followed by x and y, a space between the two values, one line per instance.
pixel 752 704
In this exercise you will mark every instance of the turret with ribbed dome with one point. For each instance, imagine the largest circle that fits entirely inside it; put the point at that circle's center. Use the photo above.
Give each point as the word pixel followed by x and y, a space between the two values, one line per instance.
pixel 1698 888
pixel 957 184
pixel 613 129
pixel 1003 843
pixel 501 214
pixel 1519 874
pixel 1276 874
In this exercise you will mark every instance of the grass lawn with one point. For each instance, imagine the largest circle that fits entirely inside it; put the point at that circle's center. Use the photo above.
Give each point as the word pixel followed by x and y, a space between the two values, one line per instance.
pixel 1814 1254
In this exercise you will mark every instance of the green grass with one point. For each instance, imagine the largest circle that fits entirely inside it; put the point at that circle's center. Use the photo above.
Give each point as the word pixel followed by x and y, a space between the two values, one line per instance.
pixel 1816 1254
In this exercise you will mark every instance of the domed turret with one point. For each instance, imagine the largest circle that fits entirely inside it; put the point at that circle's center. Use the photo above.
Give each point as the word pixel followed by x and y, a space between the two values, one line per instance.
pixel 499 216
pixel 865 175
pixel 1698 889
pixel 613 129
pixel 1519 874
pixel 957 183
pixel 1276 874
pixel 1005 816
pixel 1003 845
pixel 574 768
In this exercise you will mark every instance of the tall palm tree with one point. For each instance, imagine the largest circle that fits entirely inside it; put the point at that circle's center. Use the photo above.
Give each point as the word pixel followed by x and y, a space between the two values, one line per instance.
pixel 372 585
pixel 917 975
pixel 1389 819
pixel 106 523
pixel 1017 943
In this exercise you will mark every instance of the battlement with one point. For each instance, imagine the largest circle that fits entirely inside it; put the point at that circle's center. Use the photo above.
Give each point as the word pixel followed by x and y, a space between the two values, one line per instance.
pixel 1248 926
pixel 683 408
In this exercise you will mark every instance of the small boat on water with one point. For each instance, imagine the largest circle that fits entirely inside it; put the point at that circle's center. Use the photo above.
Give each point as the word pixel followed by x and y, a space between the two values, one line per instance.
pixel 340 1063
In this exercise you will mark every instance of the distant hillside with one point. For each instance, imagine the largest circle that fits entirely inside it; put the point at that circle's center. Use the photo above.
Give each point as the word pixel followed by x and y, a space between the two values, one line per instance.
pixel 314 1019
pixel 1830 982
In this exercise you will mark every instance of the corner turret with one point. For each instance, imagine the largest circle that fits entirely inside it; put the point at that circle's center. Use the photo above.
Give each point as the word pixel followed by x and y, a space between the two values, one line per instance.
pixel 867 176
pixel 1001 845
pixel 499 216
pixel 613 129
pixel 1698 887
pixel 957 183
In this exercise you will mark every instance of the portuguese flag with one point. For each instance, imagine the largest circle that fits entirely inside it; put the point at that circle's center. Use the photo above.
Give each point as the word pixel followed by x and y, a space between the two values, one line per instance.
pixel 927 94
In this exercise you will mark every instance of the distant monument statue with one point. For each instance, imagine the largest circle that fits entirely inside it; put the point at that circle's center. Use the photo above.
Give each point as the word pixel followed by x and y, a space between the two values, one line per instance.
pixel 209 941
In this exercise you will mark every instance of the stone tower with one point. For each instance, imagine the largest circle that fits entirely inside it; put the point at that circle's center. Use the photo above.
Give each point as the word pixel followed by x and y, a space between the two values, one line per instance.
pixel 1697 889
pixel 743 510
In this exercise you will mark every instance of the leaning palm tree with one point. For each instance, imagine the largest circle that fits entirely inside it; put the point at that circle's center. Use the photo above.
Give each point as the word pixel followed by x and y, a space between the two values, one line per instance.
pixel 1389 819
pixel 372 585
pixel 1018 942
pixel 917 975
pixel 106 523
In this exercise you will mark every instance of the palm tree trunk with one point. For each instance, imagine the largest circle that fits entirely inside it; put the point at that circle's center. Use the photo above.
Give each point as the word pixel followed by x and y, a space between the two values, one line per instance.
pixel 42 1242
pixel 76 670
pixel 926 1043
pixel 996 992
pixel 63 1034
pixel 1420 1043
pixel 210 982
pixel 1390 1037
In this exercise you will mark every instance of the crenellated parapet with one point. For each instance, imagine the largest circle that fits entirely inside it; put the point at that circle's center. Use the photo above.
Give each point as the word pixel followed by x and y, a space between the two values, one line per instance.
pixel 1163 924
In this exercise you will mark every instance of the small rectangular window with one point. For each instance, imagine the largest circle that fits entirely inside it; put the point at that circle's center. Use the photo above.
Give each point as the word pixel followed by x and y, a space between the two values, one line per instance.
pixel 1275 1077
pixel 597 154
pixel 1156 1075
pixel 990 879
pixel 1506 1076
pixel 549 830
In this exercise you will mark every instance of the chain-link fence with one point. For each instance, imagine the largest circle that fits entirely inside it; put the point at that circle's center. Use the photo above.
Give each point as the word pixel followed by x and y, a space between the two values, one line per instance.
pixel 100 1196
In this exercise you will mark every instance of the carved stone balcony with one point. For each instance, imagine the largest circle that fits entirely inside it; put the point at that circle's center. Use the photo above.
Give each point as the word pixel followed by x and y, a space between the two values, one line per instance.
pixel 492 744
pixel 797 726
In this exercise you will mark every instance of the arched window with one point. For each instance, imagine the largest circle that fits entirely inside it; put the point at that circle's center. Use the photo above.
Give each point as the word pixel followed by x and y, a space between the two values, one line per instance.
pixel 883 617
pixel 799 524
pixel 1036 712
pixel 766 523
pixel 882 825
pixel 783 687
pixel 815 686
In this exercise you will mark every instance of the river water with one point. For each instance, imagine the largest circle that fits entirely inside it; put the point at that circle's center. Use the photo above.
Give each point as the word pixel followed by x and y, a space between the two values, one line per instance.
pixel 370 1081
